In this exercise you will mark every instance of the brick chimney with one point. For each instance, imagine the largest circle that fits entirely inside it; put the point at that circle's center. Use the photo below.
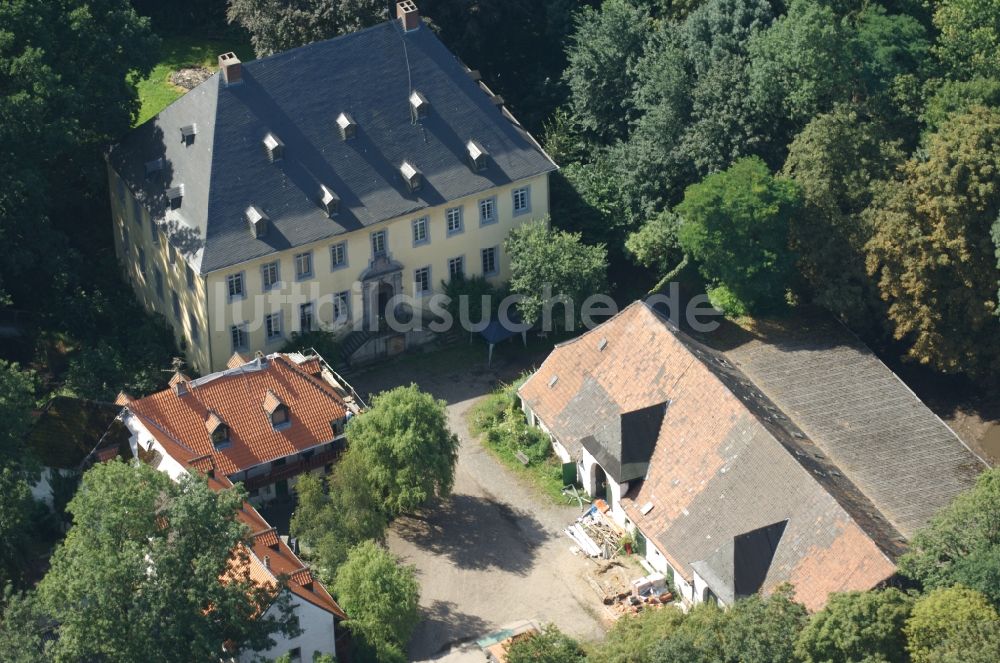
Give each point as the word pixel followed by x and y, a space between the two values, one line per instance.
pixel 408 15
pixel 232 70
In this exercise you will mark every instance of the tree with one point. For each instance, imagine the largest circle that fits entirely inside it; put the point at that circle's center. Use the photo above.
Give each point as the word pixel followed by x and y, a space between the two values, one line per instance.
pixel 633 639
pixel 799 65
pixel 381 595
pixel 656 245
pixel 403 450
pixel 962 543
pixel 548 264
pixel 603 51
pixel 138 575
pixel 932 253
pixel 949 97
pixel 278 25
pixel 834 161
pixel 854 625
pixel 549 646
pixel 945 619
pixel 753 630
pixel 17 399
pixel 969 37
pixel 736 225
pixel 23 628
pixel 333 515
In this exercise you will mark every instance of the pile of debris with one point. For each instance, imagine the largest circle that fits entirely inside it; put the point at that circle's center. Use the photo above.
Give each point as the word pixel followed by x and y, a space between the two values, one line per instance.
pixel 190 77
pixel 595 535
pixel 649 592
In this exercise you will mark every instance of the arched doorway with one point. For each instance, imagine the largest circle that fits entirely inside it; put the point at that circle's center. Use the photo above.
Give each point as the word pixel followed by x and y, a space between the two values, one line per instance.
pixel 601 484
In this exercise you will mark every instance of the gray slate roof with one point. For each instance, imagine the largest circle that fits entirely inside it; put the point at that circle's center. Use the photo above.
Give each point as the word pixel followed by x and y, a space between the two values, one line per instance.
pixel 297 95
pixel 863 417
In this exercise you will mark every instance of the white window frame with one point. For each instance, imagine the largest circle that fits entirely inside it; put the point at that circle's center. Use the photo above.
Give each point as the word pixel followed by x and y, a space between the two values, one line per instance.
pixel 454 214
pixel 268 327
pixel 424 223
pixel 265 269
pixel 417 281
pixel 234 278
pixel 491 202
pixel 240 330
pixel 300 275
pixel 385 243
pixel 514 195
pixel 342 247
pixel 460 261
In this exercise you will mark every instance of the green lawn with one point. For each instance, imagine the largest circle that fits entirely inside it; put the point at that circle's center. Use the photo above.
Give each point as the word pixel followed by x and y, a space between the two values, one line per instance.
pixel 157 92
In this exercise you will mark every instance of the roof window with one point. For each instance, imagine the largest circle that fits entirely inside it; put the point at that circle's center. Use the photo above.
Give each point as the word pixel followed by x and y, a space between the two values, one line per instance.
pixel 257 220
pixel 276 410
pixel 477 155
pixel 348 127
pixel 412 176
pixel 418 105
pixel 217 430
pixel 274 148
pixel 328 200
pixel 188 132
pixel 175 195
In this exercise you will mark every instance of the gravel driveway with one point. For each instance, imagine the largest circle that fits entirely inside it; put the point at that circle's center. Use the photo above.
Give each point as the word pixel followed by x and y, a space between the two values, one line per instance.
pixel 494 552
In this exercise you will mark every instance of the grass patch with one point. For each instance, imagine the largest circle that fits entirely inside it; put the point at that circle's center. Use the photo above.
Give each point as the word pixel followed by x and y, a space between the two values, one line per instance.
pixel 503 431
pixel 156 92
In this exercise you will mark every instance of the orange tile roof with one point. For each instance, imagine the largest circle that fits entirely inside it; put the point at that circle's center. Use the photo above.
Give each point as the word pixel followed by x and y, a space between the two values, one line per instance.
pixel 717 471
pixel 235 396
pixel 271 557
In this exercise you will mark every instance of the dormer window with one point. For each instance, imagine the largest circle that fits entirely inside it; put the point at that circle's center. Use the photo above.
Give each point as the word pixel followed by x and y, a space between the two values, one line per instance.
pixel 328 200
pixel 337 426
pixel 175 195
pixel 217 430
pixel 412 176
pixel 188 133
pixel 348 127
pixel 276 410
pixel 273 148
pixel 477 155
pixel 257 221
pixel 418 106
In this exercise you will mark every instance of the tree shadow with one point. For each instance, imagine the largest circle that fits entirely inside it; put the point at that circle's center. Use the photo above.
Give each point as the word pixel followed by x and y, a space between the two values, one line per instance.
pixel 477 533
pixel 442 626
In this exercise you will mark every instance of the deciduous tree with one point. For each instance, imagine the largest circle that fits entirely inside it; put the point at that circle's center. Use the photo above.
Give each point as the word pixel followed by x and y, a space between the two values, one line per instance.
pixel 381 595
pixel 547 264
pixel 138 577
pixel 855 625
pixel 962 543
pixel 278 25
pixel 834 161
pixel 603 51
pixel 932 253
pixel 549 646
pixel 952 618
pixel 401 450
pixel 736 224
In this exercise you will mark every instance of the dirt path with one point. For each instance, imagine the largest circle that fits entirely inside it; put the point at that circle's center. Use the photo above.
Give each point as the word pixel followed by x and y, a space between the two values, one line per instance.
pixel 494 552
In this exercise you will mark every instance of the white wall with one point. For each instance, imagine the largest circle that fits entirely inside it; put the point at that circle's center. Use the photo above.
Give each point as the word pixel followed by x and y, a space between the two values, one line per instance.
pixel 317 634
pixel 140 435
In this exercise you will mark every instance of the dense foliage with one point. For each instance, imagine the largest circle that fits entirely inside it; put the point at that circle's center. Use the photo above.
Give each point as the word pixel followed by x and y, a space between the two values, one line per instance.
pixel 381 595
pixel 553 272
pixel 155 551
pixel 278 25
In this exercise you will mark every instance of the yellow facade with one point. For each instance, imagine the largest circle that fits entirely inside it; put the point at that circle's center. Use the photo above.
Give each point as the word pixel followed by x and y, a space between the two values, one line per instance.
pixel 205 302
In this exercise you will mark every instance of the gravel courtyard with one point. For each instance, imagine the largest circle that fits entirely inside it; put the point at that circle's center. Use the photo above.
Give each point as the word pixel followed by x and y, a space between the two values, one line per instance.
pixel 494 552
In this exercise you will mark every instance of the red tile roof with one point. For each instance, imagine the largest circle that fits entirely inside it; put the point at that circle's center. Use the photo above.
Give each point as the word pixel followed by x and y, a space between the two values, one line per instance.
pixel 281 561
pixel 235 396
